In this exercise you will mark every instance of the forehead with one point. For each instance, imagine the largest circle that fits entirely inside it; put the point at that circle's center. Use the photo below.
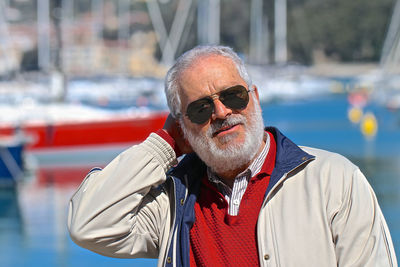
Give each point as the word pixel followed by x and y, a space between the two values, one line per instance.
pixel 208 75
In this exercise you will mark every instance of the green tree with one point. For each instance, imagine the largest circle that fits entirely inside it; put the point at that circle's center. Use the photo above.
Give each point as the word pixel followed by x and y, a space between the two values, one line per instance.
pixel 343 30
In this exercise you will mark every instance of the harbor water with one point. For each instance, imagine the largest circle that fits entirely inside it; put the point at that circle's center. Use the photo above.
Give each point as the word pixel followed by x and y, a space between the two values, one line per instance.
pixel 33 216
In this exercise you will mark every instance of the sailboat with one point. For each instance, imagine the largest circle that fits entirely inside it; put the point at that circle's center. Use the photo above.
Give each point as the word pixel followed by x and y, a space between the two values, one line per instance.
pixel 390 63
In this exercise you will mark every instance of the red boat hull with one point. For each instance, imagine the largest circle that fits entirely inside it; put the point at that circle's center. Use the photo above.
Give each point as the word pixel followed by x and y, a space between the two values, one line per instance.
pixel 108 131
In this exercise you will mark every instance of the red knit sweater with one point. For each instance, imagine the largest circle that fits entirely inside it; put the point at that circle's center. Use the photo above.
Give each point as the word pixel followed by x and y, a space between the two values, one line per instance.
pixel 219 239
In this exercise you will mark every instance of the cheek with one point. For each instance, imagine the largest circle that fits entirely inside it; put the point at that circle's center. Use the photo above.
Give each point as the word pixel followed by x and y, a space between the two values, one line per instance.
pixel 250 111
pixel 202 131
pixel 193 128
pixel 250 107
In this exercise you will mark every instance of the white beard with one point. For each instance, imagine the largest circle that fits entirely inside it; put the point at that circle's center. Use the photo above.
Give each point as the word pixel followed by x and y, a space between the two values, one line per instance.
pixel 234 155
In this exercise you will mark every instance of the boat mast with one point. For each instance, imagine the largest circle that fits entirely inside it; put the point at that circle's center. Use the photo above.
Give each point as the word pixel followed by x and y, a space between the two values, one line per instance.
pixel 208 21
pixel 391 48
pixel 178 25
pixel 169 42
pixel 123 31
pixel 43 31
pixel 259 43
pixel 8 61
pixel 259 35
pixel 97 7
pixel 280 32
pixel 67 20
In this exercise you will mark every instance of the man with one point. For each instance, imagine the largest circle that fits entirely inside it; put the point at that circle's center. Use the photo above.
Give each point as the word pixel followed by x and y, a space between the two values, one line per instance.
pixel 242 196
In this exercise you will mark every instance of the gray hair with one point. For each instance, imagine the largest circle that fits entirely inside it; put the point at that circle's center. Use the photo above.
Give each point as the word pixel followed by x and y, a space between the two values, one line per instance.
pixel 185 61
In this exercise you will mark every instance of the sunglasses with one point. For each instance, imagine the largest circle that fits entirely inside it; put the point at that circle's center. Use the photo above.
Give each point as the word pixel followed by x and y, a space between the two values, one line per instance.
pixel 200 111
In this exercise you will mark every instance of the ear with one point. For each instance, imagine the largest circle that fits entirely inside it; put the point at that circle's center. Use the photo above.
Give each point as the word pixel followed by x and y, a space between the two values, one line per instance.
pixel 182 142
pixel 256 92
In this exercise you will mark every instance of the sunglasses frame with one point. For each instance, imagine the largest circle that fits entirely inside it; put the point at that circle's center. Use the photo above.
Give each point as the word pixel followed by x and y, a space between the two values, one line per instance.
pixel 210 100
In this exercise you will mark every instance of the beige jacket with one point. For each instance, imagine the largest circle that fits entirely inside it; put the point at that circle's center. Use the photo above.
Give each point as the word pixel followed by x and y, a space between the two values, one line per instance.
pixel 323 212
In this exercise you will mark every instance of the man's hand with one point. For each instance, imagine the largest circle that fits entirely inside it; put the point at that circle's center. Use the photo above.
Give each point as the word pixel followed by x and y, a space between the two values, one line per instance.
pixel 172 127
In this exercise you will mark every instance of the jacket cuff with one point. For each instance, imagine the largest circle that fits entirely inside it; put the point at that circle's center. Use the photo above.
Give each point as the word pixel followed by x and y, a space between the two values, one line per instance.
pixel 161 150
pixel 167 137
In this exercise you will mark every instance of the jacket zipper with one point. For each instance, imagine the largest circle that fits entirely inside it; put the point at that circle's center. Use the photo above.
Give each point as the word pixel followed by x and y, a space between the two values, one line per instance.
pixel 173 225
pixel 174 228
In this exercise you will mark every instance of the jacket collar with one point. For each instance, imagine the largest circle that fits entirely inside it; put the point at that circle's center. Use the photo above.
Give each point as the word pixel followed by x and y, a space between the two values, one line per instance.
pixel 288 157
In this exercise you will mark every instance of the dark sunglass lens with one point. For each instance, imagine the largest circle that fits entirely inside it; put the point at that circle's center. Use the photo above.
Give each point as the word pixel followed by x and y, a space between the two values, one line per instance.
pixel 200 110
pixel 236 97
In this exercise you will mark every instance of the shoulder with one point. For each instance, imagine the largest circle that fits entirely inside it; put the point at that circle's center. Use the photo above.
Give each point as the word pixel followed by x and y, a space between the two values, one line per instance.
pixel 327 159
pixel 332 171
pixel 335 179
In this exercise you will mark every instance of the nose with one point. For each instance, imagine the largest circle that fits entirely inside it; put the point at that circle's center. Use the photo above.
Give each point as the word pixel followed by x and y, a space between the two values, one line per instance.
pixel 220 110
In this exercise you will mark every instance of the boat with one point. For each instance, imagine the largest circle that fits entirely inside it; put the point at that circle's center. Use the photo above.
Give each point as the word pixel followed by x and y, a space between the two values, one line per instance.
pixel 103 130
pixel 82 141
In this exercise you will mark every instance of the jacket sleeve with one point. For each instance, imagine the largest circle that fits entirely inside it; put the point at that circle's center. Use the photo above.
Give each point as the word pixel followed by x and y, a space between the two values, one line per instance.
pixel 359 229
pixel 121 211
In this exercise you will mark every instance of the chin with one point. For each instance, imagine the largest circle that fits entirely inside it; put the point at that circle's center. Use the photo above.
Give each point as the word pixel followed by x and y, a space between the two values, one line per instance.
pixel 229 139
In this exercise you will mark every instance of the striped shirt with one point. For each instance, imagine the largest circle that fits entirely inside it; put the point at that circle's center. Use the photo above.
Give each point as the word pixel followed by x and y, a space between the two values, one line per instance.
pixel 234 195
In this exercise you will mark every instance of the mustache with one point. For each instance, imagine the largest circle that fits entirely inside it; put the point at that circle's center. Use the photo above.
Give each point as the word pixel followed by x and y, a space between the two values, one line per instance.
pixel 231 120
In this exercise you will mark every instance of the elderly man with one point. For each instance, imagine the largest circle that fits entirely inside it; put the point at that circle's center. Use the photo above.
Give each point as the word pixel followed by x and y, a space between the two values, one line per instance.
pixel 242 195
